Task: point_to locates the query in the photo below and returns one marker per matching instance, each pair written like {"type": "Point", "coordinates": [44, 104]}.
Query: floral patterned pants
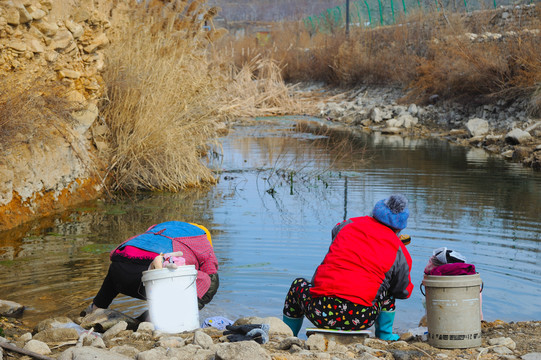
{"type": "Point", "coordinates": [332, 312]}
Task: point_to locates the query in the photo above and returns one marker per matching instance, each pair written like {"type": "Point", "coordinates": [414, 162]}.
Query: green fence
{"type": "Point", "coordinates": [369, 13]}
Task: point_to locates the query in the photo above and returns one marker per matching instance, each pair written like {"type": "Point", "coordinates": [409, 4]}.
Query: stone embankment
{"type": "Point", "coordinates": [64, 339]}
{"type": "Point", "coordinates": [502, 129]}
{"type": "Point", "coordinates": [53, 165]}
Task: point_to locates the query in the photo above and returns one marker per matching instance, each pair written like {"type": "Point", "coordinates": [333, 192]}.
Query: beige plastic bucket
{"type": "Point", "coordinates": [453, 311]}
{"type": "Point", "coordinates": [172, 298]}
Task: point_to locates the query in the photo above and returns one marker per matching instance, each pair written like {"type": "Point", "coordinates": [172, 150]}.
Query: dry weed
{"type": "Point", "coordinates": [29, 105]}
{"type": "Point", "coordinates": [162, 107]}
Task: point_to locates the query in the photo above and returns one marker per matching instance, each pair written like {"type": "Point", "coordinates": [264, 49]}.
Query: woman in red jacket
{"type": "Point", "coordinates": [366, 268]}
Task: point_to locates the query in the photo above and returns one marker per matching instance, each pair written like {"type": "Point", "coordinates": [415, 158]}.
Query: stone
{"type": "Point", "coordinates": [376, 115]}
{"type": "Point", "coordinates": [17, 46]}
{"type": "Point", "coordinates": [531, 356]}
{"type": "Point", "coordinates": [413, 109]}
{"type": "Point", "coordinates": [502, 350]}
{"type": "Point", "coordinates": [316, 342]}
{"type": "Point", "coordinates": [203, 340]}
{"type": "Point", "coordinates": [52, 323]}
{"type": "Point", "coordinates": [104, 319]}
{"type": "Point", "coordinates": [25, 337]}
{"type": "Point", "coordinates": [115, 330]}
{"type": "Point", "coordinates": [61, 40]}
{"type": "Point", "coordinates": [146, 327]}
{"type": "Point", "coordinates": [37, 14]}
{"type": "Point", "coordinates": [85, 118]}
{"type": "Point", "coordinates": [172, 342]}
{"type": "Point", "coordinates": [503, 341]}
{"type": "Point", "coordinates": [277, 326]}
{"type": "Point", "coordinates": [45, 27]}
{"type": "Point", "coordinates": [24, 16]}
{"type": "Point", "coordinates": [241, 350]}
{"type": "Point", "coordinates": [35, 46]}
{"type": "Point", "coordinates": [517, 136]}
{"type": "Point", "coordinates": [125, 350]}
{"type": "Point", "coordinates": [57, 335]}
{"type": "Point", "coordinates": [11, 14]}
{"type": "Point", "coordinates": [91, 353]}
{"type": "Point", "coordinates": [38, 347]}
{"type": "Point", "coordinates": [152, 354]}
{"type": "Point", "coordinates": [477, 127]}
{"type": "Point", "coordinates": [10, 308]}
{"type": "Point", "coordinates": [70, 74]}
{"type": "Point", "coordinates": [76, 30]}
{"type": "Point", "coordinates": [288, 342]}
{"type": "Point", "coordinates": [97, 43]}
{"type": "Point", "coordinates": [51, 56]}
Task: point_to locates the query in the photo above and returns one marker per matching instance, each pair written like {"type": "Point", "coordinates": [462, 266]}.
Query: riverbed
{"type": "Point", "coordinates": [279, 194]}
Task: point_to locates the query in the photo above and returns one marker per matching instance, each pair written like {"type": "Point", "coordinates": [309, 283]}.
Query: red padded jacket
{"type": "Point", "coordinates": [364, 259]}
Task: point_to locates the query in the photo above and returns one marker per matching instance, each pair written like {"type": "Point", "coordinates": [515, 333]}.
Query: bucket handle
{"type": "Point", "coordinates": [422, 292]}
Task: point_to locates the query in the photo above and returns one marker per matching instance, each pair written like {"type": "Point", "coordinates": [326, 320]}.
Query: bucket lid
{"type": "Point", "coordinates": [452, 280]}
{"type": "Point", "coordinates": [156, 274]}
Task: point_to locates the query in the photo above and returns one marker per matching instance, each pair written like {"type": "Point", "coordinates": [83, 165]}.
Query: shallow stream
{"type": "Point", "coordinates": [280, 192]}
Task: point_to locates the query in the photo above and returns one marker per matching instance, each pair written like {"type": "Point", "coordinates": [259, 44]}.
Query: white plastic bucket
{"type": "Point", "coordinates": [172, 298]}
{"type": "Point", "coordinates": [453, 311]}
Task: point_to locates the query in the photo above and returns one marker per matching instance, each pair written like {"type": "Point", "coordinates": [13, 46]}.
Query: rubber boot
{"type": "Point", "coordinates": [294, 324]}
{"type": "Point", "coordinates": [384, 326]}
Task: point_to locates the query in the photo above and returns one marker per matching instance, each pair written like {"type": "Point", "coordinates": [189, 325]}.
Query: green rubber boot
{"type": "Point", "coordinates": [294, 324]}
{"type": "Point", "coordinates": [384, 326]}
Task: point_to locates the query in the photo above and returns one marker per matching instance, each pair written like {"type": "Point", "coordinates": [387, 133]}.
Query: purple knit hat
{"type": "Point", "coordinates": [392, 211]}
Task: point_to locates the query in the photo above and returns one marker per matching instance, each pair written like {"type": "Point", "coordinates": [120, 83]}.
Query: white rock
{"type": "Point", "coordinates": [37, 347]}
{"type": "Point", "coordinates": [477, 127]}
{"type": "Point", "coordinates": [517, 136]}
{"type": "Point", "coordinates": [503, 341]}
{"type": "Point", "coordinates": [203, 340]}
{"type": "Point", "coordinates": [316, 342]}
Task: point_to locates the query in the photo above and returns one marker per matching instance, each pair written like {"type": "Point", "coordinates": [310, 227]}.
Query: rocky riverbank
{"type": "Point", "coordinates": [121, 337]}
{"type": "Point", "coordinates": [502, 129]}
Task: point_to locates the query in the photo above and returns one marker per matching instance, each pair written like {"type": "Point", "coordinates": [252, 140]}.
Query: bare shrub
{"type": "Point", "coordinates": [29, 105]}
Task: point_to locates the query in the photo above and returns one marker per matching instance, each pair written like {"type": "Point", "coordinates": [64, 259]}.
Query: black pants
{"type": "Point", "coordinates": [122, 278]}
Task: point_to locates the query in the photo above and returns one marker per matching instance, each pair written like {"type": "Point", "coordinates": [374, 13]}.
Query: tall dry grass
{"type": "Point", "coordinates": [426, 53]}
{"type": "Point", "coordinates": [169, 95]}
{"type": "Point", "coordinates": [161, 106]}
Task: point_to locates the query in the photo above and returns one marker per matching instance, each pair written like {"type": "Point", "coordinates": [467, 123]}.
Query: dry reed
{"type": "Point", "coordinates": [162, 106]}
{"type": "Point", "coordinates": [168, 95]}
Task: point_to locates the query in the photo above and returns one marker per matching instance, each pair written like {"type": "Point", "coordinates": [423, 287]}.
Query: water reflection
{"type": "Point", "coordinates": [280, 193]}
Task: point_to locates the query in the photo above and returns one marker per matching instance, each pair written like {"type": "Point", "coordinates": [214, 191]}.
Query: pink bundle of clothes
{"type": "Point", "coordinates": [446, 262]}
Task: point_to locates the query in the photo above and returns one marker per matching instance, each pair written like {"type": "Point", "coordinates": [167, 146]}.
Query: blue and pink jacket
{"type": "Point", "coordinates": [192, 239]}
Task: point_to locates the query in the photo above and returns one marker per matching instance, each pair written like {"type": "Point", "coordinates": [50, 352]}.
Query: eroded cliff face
{"type": "Point", "coordinates": [53, 165]}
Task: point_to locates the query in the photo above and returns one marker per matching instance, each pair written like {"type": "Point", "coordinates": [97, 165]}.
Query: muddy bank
{"type": "Point", "coordinates": [503, 129]}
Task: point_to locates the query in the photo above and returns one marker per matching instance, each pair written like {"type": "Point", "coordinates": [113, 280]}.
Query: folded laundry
{"type": "Point", "coordinates": [453, 269]}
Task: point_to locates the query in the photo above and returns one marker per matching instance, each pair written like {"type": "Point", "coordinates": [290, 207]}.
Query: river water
{"type": "Point", "coordinates": [279, 194]}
